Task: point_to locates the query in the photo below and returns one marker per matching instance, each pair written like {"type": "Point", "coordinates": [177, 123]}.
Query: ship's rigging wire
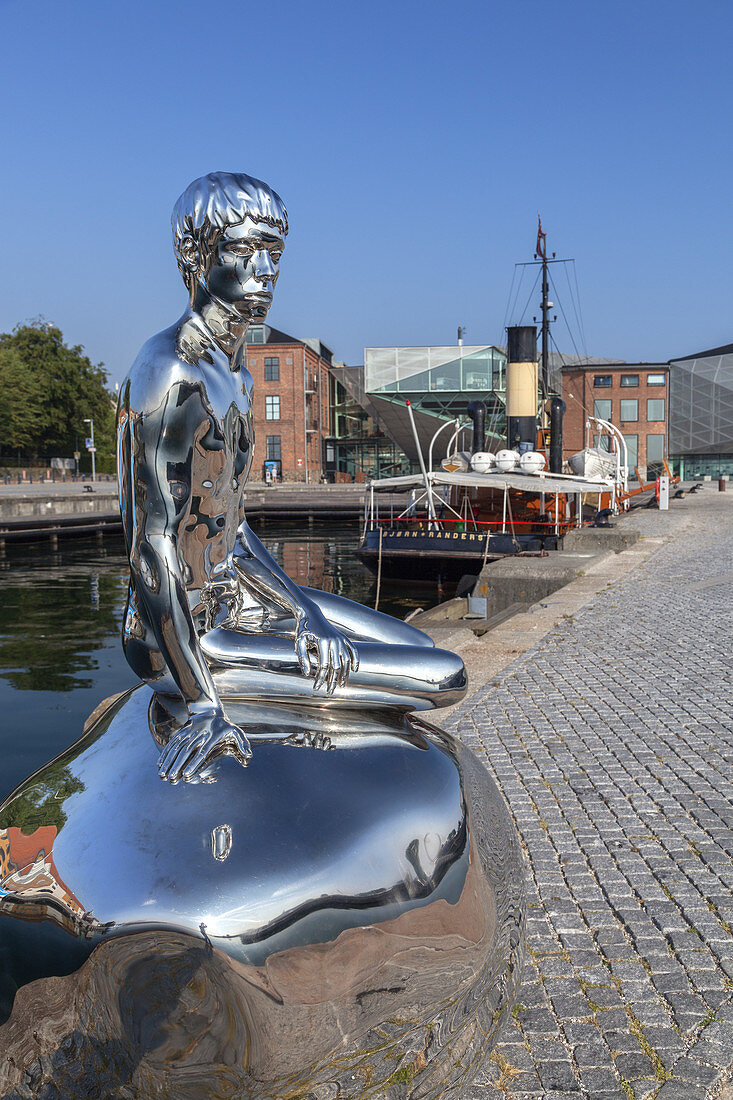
{"type": "Point", "coordinates": [511, 309]}
{"type": "Point", "coordinates": [579, 311]}
{"type": "Point", "coordinates": [565, 319]}
{"type": "Point", "coordinates": [509, 299]}
{"type": "Point", "coordinates": [529, 298]}
{"type": "Point", "coordinates": [564, 363]}
{"type": "Point", "coordinates": [513, 316]}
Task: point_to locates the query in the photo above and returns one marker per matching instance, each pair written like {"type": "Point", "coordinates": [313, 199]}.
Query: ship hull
{"type": "Point", "coordinates": [420, 555]}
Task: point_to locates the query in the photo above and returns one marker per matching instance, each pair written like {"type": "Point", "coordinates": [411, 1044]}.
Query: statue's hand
{"type": "Point", "coordinates": [324, 652]}
{"type": "Point", "coordinates": [205, 736]}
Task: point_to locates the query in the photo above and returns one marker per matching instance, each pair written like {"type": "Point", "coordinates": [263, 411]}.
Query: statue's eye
{"type": "Point", "coordinates": [275, 256]}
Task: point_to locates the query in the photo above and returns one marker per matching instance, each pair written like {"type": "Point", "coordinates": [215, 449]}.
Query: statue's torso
{"type": "Point", "coordinates": [186, 439]}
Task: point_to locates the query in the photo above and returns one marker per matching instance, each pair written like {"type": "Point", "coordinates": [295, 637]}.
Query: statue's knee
{"type": "Point", "coordinates": [448, 671]}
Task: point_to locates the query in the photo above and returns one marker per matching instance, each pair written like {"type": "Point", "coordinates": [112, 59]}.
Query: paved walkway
{"type": "Point", "coordinates": [612, 740]}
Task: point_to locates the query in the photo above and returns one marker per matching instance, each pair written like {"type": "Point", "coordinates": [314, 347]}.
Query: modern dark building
{"type": "Point", "coordinates": [701, 413]}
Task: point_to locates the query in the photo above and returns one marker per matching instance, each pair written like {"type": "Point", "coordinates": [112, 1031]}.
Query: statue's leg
{"type": "Point", "coordinates": [264, 666]}
{"type": "Point", "coordinates": [141, 649]}
{"type": "Point", "coordinates": [360, 622]}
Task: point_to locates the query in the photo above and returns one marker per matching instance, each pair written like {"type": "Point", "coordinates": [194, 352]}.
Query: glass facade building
{"type": "Point", "coordinates": [439, 382]}
{"type": "Point", "coordinates": [701, 413]}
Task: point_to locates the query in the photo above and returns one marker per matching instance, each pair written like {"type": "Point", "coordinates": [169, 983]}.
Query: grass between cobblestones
{"type": "Point", "coordinates": [612, 741]}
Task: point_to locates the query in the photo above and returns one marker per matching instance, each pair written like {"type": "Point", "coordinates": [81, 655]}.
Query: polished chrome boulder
{"type": "Point", "coordinates": [343, 918]}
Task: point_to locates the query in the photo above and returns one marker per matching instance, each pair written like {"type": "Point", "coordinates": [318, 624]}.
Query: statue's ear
{"type": "Point", "coordinates": [189, 253]}
{"type": "Point", "coordinates": [189, 262]}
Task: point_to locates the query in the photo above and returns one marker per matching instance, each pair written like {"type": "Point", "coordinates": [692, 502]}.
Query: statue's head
{"type": "Point", "coordinates": [228, 235]}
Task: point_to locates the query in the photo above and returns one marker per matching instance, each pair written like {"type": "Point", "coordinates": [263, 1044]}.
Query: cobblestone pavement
{"type": "Point", "coordinates": [612, 741]}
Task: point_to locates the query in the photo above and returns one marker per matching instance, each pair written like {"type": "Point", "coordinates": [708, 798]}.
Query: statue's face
{"type": "Point", "coordinates": [243, 269]}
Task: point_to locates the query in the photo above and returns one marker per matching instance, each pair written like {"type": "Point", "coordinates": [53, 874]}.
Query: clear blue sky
{"type": "Point", "coordinates": [413, 143]}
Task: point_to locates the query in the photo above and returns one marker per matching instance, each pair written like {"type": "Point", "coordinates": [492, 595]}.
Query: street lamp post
{"type": "Point", "coordinates": [92, 449]}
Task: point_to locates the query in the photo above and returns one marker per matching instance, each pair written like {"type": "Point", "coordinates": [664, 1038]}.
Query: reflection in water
{"type": "Point", "coordinates": [61, 622]}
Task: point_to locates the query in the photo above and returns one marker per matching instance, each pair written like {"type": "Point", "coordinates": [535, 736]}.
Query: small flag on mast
{"type": "Point", "coordinates": [540, 251]}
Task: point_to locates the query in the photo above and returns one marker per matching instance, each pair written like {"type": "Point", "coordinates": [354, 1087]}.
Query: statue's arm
{"type": "Point", "coordinates": [161, 476]}
{"type": "Point", "coordinates": [160, 473]}
{"type": "Point", "coordinates": [317, 642]}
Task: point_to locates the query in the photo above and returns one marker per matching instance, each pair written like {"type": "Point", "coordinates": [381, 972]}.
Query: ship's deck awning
{"type": "Point", "coordinates": [526, 483]}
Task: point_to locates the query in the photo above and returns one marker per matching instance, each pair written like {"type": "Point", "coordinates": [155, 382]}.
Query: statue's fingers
{"type": "Point", "coordinates": [343, 665]}
{"type": "Point", "coordinates": [177, 764]}
{"type": "Point", "coordinates": [168, 755]}
{"type": "Point", "coordinates": [188, 750]}
{"type": "Point", "coordinates": [354, 657]}
{"type": "Point", "coordinates": [242, 745]}
{"type": "Point", "coordinates": [322, 665]}
{"type": "Point", "coordinates": [320, 679]}
{"type": "Point", "coordinates": [196, 763]}
{"type": "Point", "coordinates": [333, 668]}
{"type": "Point", "coordinates": [301, 652]}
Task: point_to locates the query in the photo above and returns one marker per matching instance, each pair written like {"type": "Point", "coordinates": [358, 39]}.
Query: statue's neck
{"type": "Point", "coordinates": [208, 324]}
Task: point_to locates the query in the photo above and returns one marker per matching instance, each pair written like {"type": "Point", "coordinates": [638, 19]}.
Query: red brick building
{"type": "Point", "coordinates": [291, 403]}
{"type": "Point", "coordinates": [632, 396]}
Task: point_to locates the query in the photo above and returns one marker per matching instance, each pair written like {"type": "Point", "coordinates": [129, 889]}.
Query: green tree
{"type": "Point", "coordinates": [65, 387]}
{"type": "Point", "coordinates": [22, 412]}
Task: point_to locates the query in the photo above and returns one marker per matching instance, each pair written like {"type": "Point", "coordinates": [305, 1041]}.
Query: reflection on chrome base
{"type": "Point", "coordinates": [342, 919]}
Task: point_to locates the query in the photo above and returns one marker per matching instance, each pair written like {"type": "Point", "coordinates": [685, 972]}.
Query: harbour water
{"type": "Point", "coordinates": [60, 652]}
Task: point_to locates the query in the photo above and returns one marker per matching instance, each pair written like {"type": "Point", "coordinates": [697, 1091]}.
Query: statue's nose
{"type": "Point", "coordinates": [264, 267]}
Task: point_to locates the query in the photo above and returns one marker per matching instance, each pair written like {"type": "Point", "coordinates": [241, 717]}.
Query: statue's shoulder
{"type": "Point", "coordinates": [158, 367]}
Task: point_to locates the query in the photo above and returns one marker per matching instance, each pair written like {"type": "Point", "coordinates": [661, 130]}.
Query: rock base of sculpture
{"type": "Point", "coordinates": [343, 918]}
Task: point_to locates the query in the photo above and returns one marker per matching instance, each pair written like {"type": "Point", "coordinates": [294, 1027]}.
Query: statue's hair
{"type": "Point", "coordinates": [213, 202]}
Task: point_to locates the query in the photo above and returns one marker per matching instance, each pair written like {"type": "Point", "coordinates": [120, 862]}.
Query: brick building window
{"type": "Point", "coordinates": [603, 380]}
{"type": "Point", "coordinates": [603, 409]}
{"type": "Point", "coordinates": [272, 369]}
{"type": "Point", "coordinates": [629, 379]}
{"type": "Point", "coordinates": [272, 408]}
{"type": "Point", "coordinates": [655, 408]}
{"type": "Point", "coordinates": [655, 380]}
{"type": "Point", "coordinates": [629, 410]}
{"type": "Point", "coordinates": [654, 455]}
{"type": "Point", "coordinates": [273, 448]}
{"type": "Point", "coordinates": [632, 442]}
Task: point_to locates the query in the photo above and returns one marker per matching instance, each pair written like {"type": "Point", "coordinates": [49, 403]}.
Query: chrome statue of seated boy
{"type": "Point", "coordinates": [210, 614]}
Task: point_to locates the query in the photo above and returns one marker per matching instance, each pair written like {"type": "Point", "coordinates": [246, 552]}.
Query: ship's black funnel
{"type": "Point", "coordinates": [521, 344]}
{"type": "Point", "coordinates": [477, 412]}
{"type": "Point", "coordinates": [557, 411]}
{"type": "Point", "coordinates": [521, 388]}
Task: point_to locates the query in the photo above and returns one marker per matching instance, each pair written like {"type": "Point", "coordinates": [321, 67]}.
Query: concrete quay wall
{"type": "Point", "coordinates": [48, 501]}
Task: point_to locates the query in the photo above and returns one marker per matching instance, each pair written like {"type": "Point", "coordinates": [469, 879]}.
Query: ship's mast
{"type": "Point", "coordinates": [546, 306]}
{"type": "Point", "coordinates": [547, 318]}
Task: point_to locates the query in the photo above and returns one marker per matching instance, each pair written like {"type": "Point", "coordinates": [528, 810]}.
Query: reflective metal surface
{"type": "Point", "coordinates": [211, 617]}
{"type": "Point", "coordinates": [342, 920]}
{"type": "Point", "coordinates": [339, 920]}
